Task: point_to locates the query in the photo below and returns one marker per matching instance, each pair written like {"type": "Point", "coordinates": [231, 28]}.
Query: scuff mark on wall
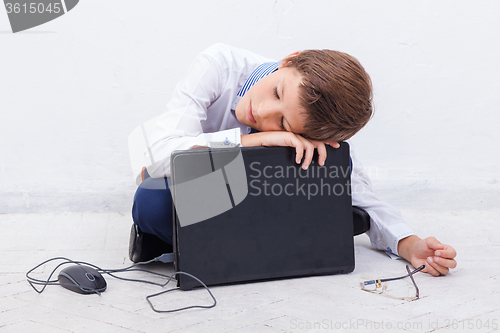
{"type": "Point", "coordinates": [280, 15]}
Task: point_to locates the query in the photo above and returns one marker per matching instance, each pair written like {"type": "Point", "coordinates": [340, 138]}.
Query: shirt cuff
{"type": "Point", "coordinates": [393, 255]}
{"type": "Point", "coordinates": [397, 232]}
{"type": "Point", "coordinates": [224, 139]}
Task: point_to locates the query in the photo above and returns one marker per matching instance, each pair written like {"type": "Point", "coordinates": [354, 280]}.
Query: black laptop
{"type": "Point", "coordinates": [250, 214]}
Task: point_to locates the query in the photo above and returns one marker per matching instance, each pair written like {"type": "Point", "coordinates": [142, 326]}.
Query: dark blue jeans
{"type": "Point", "coordinates": [152, 209]}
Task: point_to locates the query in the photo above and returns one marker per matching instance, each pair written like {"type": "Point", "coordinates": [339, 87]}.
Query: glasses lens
{"type": "Point", "coordinates": [401, 289]}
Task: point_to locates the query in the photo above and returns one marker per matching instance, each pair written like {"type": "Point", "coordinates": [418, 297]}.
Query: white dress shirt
{"type": "Point", "coordinates": [199, 113]}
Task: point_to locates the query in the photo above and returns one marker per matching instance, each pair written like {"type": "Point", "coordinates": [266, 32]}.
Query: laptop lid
{"type": "Point", "coordinates": [248, 214]}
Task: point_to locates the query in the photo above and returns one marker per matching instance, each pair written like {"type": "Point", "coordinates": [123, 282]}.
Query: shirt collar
{"type": "Point", "coordinates": [262, 71]}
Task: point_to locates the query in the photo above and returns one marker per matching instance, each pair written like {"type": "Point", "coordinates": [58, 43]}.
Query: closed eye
{"type": "Point", "coordinates": [282, 126]}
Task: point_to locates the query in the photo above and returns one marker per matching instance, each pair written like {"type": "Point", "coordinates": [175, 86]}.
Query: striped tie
{"type": "Point", "coordinates": [260, 72]}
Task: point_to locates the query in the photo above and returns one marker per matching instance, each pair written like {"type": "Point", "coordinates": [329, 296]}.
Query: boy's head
{"type": "Point", "coordinates": [321, 94]}
{"type": "Point", "coordinates": [336, 93]}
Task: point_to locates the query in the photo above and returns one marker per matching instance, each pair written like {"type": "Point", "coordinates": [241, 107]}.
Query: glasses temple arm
{"type": "Point", "coordinates": [413, 280]}
{"type": "Point", "coordinates": [396, 278]}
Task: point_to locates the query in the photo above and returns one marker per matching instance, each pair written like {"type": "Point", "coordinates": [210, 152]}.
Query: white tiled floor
{"type": "Point", "coordinates": [468, 299]}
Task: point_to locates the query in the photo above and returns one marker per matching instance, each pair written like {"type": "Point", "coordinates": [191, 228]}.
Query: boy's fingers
{"type": "Point", "coordinates": [441, 269]}
{"type": "Point", "coordinates": [300, 154]}
{"type": "Point", "coordinates": [447, 252]}
{"type": "Point", "coordinates": [450, 263]}
{"type": "Point", "coordinates": [309, 148]}
{"type": "Point", "coordinates": [309, 155]}
{"type": "Point", "coordinates": [322, 153]}
{"type": "Point", "coordinates": [299, 148]}
{"type": "Point", "coordinates": [431, 270]}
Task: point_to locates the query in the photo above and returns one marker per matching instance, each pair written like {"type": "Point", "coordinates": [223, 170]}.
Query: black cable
{"type": "Point", "coordinates": [87, 290]}
{"type": "Point", "coordinates": [169, 290]}
{"type": "Point", "coordinates": [99, 269]}
{"type": "Point", "coordinates": [163, 258]}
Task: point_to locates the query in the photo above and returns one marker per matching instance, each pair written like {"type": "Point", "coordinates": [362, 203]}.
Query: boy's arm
{"type": "Point", "coordinates": [180, 128]}
{"type": "Point", "coordinates": [304, 148]}
{"type": "Point", "coordinates": [389, 232]}
{"type": "Point", "coordinates": [437, 257]}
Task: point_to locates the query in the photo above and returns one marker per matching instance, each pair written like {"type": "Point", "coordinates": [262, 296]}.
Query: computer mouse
{"type": "Point", "coordinates": [82, 279]}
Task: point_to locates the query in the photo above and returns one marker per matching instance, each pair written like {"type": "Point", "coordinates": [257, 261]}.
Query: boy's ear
{"type": "Point", "coordinates": [285, 60]}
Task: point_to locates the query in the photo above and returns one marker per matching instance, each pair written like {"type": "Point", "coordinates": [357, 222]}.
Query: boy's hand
{"type": "Point", "coordinates": [437, 257]}
{"type": "Point", "coordinates": [289, 139]}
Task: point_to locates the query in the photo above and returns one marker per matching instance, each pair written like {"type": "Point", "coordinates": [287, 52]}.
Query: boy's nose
{"type": "Point", "coordinates": [265, 112]}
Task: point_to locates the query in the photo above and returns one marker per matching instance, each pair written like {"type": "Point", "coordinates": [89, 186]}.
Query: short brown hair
{"type": "Point", "coordinates": [336, 93]}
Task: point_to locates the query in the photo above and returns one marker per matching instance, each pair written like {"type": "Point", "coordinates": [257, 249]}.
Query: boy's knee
{"type": "Point", "coordinates": [153, 198]}
{"type": "Point", "coordinates": [152, 209]}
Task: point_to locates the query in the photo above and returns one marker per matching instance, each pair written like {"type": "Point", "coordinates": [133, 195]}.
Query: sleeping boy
{"type": "Point", "coordinates": [307, 100]}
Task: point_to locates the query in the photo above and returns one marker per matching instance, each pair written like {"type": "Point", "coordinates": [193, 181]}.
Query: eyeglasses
{"type": "Point", "coordinates": [397, 290]}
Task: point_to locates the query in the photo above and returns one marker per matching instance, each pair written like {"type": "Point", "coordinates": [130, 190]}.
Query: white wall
{"type": "Point", "coordinates": [72, 90]}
